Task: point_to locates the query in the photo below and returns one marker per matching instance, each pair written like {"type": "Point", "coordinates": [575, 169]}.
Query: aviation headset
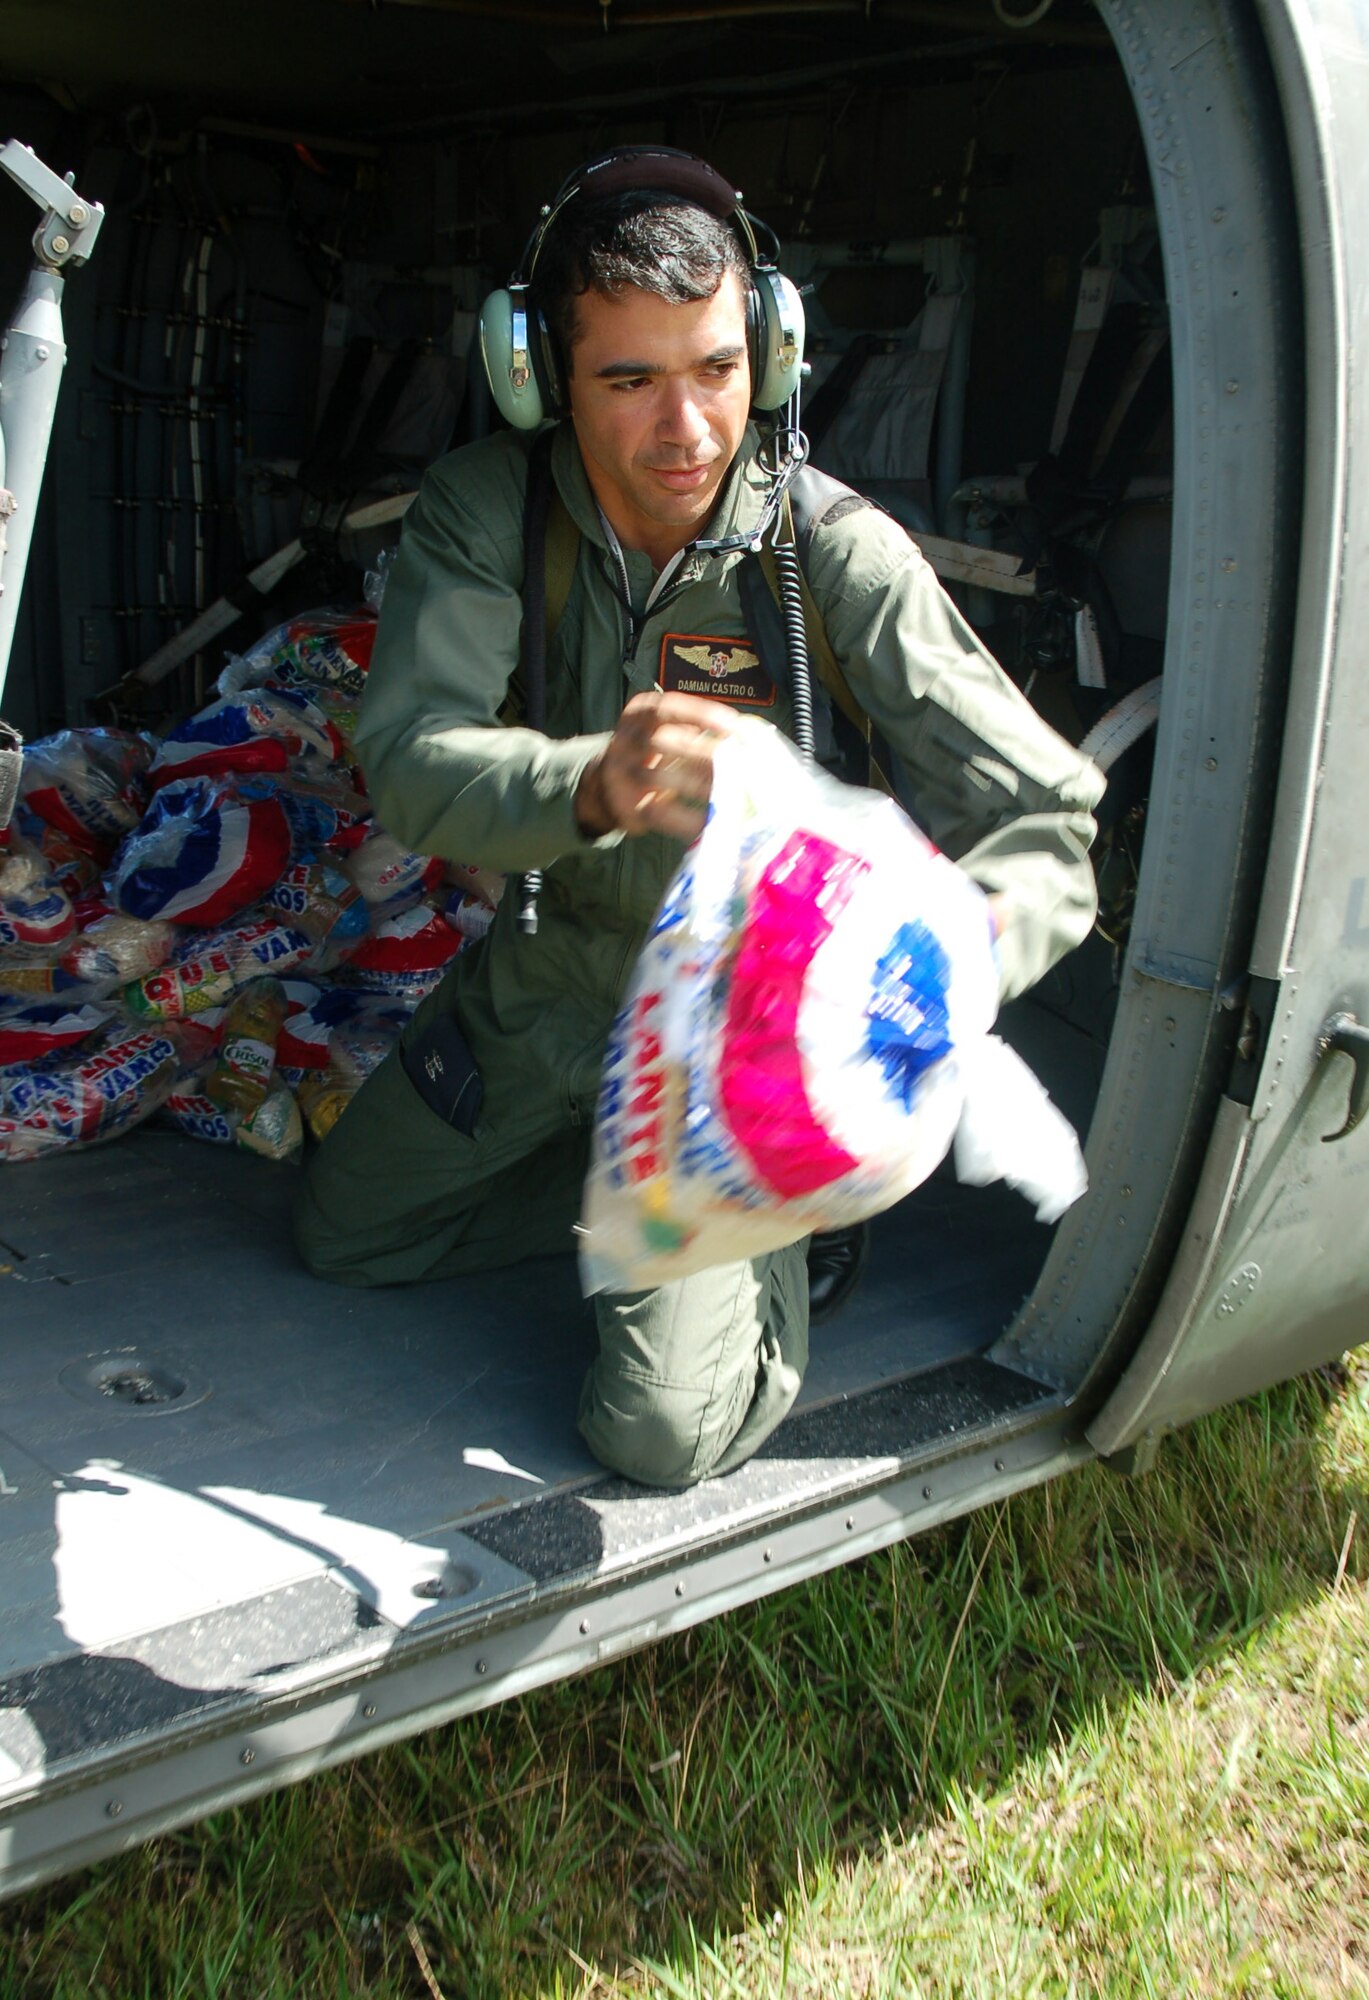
{"type": "Point", "coordinates": [523, 359]}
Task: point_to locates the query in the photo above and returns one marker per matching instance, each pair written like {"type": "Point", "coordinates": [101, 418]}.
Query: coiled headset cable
{"type": "Point", "coordinates": [789, 453]}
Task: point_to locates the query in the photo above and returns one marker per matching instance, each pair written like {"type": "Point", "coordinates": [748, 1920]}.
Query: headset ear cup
{"type": "Point", "coordinates": [516, 387]}
{"type": "Point", "coordinates": [776, 371]}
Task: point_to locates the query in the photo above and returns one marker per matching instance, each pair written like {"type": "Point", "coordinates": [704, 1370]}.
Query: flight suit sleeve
{"type": "Point", "coordinates": [992, 784]}
{"type": "Point", "coordinates": [445, 778]}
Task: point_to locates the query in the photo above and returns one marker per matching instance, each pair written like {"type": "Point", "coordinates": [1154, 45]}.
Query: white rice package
{"type": "Point", "coordinates": [805, 1035]}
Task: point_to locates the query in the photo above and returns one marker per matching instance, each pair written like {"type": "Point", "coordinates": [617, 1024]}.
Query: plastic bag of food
{"type": "Point", "coordinates": [405, 954]}
{"type": "Point", "coordinates": [319, 900]}
{"type": "Point", "coordinates": [189, 1111]}
{"type": "Point", "coordinates": [271, 1126]}
{"type": "Point", "coordinates": [202, 853]}
{"type": "Point", "coordinates": [35, 970]}
{"type": "Point", "coordinates": [208, 967]}
{"type": "Point", "coordinates": [259, 1111]}
{"type": "Point", "coordinates": [485, 884]}
{"type": "Point", "coordinates": [261, 729]}
{"type": "Point", "coordinates": [342, 714]}
{"type": "Point", "coordinates": [471, 898]}
{"type": "Point", "coordinates": [33, 909]}
{"type": "Point", "coordinates": [804, 1029]}
{"type": "Point", "coordinates": [94, 1093]}
{"type": "Point", "coordinates": [327, 648]}
{"type": "Point", "coordinates": [471, 916]}
{"type": "Point", "coordinates": [386, 872]}
{"type": "Point", "coordinates": [32, 1032]}
{"type": "Point", "coordinates": [114, 949]}
{"type": "Point", "coordinates": [89, 784]}
{"type": "Point", "coordinates": [322, 804]}
{"type": "Point", "coordinates": [306, 1038]}
{"type": "Point", "coordinates": [357, 1047]}
{"type": "Point", "coordinates": [73, 867]}
{"type": "Point", "coordinates": [245, 1065]}
{"type": "Point", "coordinates": [275, 1129]}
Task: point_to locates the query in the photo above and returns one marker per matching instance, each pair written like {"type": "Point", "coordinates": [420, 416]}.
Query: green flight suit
{"type": "Point", "coordinates": [692, 1376]}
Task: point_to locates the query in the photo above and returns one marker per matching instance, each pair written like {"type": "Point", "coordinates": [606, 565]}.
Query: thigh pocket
{"type": "Point", "coordinates": [441, 1068]}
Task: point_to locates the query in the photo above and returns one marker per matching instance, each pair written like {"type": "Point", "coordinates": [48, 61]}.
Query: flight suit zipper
{"type": "Point", "coordinates": [658, 596]}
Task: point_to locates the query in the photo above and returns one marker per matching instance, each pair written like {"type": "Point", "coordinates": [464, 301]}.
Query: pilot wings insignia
{"type": "Point", "coordinates": [718, 661]}
{"type": "Point", "coordinates": [722, 669]}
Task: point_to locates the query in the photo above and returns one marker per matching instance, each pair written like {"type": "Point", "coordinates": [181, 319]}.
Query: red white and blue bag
{"type": "Point", "coordinates": [305, 1040]}
{"type": "Point", "coordinates": [93, 1093]}
{"type": "Point", "coordinates": [322, 808]}
{"type": "Point", "coordinates": [805, 1034]}
{"type": "Point", "coordinates": [261, 729]}
{"type": "Point", "coordinates": [202, 853]}
{"type": "Point", "coordinates": [405, 954]}
{"type": "Point", "coordinates": [88, 784]}
{"type": "Point", "coordinates": [33, 909]}
{"type": "Point", "coordinates": [31, 1033]}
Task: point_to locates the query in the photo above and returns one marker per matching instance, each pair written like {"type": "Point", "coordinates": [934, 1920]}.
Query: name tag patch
{"type": "Point", "coordinates": [719, 669]}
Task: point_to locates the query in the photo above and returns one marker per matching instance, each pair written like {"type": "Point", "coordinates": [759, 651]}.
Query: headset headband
{"type": "Point", "coordinates": [646, 169]}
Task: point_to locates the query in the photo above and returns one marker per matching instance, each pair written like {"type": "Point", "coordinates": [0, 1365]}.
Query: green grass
{"type": "Point", "coordinates": [1110, 1738]}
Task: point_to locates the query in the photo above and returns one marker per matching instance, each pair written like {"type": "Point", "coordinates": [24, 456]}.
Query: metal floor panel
{"type": "Point", "coordinates": [315, 1434]}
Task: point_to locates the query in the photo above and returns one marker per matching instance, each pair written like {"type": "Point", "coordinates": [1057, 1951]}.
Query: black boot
{"type": "Point", "coordinates": [836, 1260]}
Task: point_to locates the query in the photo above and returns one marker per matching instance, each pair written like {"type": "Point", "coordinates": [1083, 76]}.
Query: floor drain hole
{"type": "Point", "coordinates": [132, 1381]}
{"type": "Point", "coordinates": [134, 1386]}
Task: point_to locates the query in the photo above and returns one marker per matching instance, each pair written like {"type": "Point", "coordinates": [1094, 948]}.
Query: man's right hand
{"type": "Point", "coordinates": [655, 774]}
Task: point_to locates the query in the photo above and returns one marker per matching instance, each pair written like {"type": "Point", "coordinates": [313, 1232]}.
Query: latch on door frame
{"type": "Point", "coordinates": [1343, 1035]}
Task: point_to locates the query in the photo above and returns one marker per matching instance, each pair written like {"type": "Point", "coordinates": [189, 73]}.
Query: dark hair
{"type": "Point", "coordinates": [646, 238]}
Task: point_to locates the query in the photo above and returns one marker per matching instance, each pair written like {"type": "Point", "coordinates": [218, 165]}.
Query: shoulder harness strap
{"type": "Point", "coordinates": [551, 547]}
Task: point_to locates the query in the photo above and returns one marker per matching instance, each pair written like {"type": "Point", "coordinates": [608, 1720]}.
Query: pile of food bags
{"type": "Point", "coordinates": [213, 928]}
{"type": "Point", "coordinates": [805, 1036]}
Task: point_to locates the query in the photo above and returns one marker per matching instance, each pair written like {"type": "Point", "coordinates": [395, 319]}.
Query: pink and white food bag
{"type": "Point", "coordinates": [805, 1035]}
